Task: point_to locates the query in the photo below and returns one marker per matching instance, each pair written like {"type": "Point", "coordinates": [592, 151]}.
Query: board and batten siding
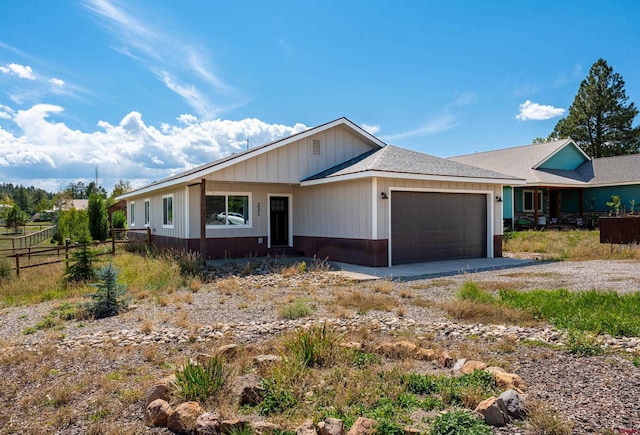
{"type": "Point", "coordinates": [388, 185]}
{"type": "Point", "coordinates": [292, 163]}
{"type": "Point", "coordinates": [340, 210]}
{"type": "Point", "coordinates": [156, 218]}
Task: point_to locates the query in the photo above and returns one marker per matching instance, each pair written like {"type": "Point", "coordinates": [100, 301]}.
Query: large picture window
{"type": "Point", "coordinates": [527, 200]}
{"type": "Point", "coordinates": [225, 210]}
{"type": "Point", "coordinates": [167, 211]}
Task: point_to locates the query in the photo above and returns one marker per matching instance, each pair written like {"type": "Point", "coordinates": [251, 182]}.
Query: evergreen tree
{"type": "Point", "coordinates": [98, 220]}
{"type": "Point", "coordinates": [82, 268]}
{"type": "Point", "coordinates": [108, 300]}
{"type": "Point", "coordinates": [600, 121]}
{"type": "Point", "coordinates": [15, 218]}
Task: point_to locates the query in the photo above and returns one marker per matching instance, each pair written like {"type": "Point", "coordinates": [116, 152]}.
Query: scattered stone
{"type": "Point", "coordinates": [445, 360]}
{"type": "Point", "coordinates": [493, 411]}
{"type": "Point", "coordinates": [331, 426]}
{"type": "Point", "coordinates": [183, 419]}
{"type": "Point", "coordinates": [159, 390]}
{"type": "Point", "coordinates": [363, 426]}
{"type": "Point", "coordinates": [397, 348]}
{"type": "Point", "coordinates": [203, 358]}
{"type": "Point", "coordinates": [514, 403]}
{"type": "Point", "coordinates": [207, 424]}
{"type": "Point", "coordinates": [232, 425]}
{"type": "Point", "coordinates": [157, 413]}
{"type": "Point", "coordinates": [352, 345]}
{"type": "Point", "coordinates": [263, 428]}
{"type": "Point", "coordinates": [459, 364]}
{"type": "Point", "coordinates": [262, 361]}
{"type": "Point", "coordinates": [228, 350]}
{"type": "Point", "coordinates": [425, 354]}
{"type": "Point", "coordinates": [247, 390]}
{"type": "Point", "coordinates": [306, 428]}
{"type": "Point", "coordinates": [507, 381]}
{"type": "Point", "coordinates": [471, 366]}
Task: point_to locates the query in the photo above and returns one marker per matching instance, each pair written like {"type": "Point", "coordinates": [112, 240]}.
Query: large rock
{"type": "Point", "coordinates": [183, 419]}
{"type": "Point", "coordinates": [401, 348]}
{"type": "Point", "coordinates": [306, 428]}
{"type": "Point", "coordinates": [493, 411]}
{"type": "Point", "coordinates": [246, 389]}
{"type": "Point", "coordinates": [331, 426]}
{"type": "Point", "coordinates": [445, 360]}
{"type": "Point", "coordinates": [515, 404]}
{"type": "Point", "coordinates": [471, 366]}
{"type": "Point", "coordinates": [363, 426]}
{"type": "Point", "coordinates": [507, 381]}
{"type": "Point", "coordinates": [157, 413]}
{"type": "Point", "coordinates": [159, 390]}
{"type": "Point", "coordinates": [207, 424]}
{"type": "Point", "coordinates": [263, 428]}
{"type": "Point", "coordinates": [228, 350]}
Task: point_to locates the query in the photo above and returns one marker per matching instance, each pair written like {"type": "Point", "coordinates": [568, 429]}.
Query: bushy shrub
{"type": "Point", "coordinates": [200, 382]}
{"type": "Point", "coordinates": [118, 219]}
{"type": "Point", "coordinates": [458, 422]}
{"type": "Point", "coordinates": [275, 398]}
{"type": "Point", "coordinates": [295, 310]}
{"type": "Point", "coordinates": [109, 298]}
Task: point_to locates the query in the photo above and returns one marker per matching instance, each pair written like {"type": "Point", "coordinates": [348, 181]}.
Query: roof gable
{"type": "Point", "coordinates": [566, 158]}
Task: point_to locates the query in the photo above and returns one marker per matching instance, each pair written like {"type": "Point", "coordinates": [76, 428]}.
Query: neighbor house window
{"type": "Point", "coordinates": [132, 214]}
{"type": "Point", "coordinates": [225, 210]}
{"type": "Point", "coordinates": [167, 211]}
{"type": "Point", "coordinates": [527, 199]}
{"type": "Point", "coordinates": [147, 212]}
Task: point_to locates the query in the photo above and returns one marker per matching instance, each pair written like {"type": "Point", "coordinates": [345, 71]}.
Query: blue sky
{"type": "Point", "coordinates": [145, 89]}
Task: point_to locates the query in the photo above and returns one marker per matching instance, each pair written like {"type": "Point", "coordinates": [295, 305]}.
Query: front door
{"type": "Point", "coordinates": [279, 218]}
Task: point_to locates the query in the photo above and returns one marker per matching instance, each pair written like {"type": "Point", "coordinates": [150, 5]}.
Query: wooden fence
{"type": "Point", "coordinates": [41, 256]}
{"type": "Point", "coordinates": [620, 230]}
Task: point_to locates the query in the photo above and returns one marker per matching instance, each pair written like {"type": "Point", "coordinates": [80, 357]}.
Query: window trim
{"type": "Point", "coordinates": [132, 213]}
{"type": "Point", "coordinates": [165, 217]}
{"type": "Point", "coordinates": [147, 212]}
{"type": "Point", "coordinates": [540, 201]}
{"type": "Point", "coordinates": [226, 201]}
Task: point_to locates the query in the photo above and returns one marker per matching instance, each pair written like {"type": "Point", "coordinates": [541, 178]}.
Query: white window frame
{"type": "Point", "coordinates": [147, 212]}
{"type": "Point", "coordinates": [132, 214]}
{"type": "Point", "coordinates": [540, 200]}
{"type": "Point", "coordinates": [165, 214]}
{"type": "Point", "coordinates": [226, 203]}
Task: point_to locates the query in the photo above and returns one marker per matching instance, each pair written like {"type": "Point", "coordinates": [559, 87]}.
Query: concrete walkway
{"type": "Point", "coordinates": [404, 272]}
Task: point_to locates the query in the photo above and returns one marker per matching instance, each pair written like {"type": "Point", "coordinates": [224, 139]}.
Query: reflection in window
{"type": "Point", "coordinates": [225, 210]}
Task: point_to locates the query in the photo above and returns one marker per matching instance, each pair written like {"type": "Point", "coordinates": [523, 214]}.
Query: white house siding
{"type": "Point", "coordinates": [259, 200]}
{"type": "Point", "coordinates": [387, 185]}
{"type": "Point", "coordinates": [341, 210]}
{"type": "Point", "coordinates": [294, 162]}
{"type": "Point", "coordinates": [179, 219]}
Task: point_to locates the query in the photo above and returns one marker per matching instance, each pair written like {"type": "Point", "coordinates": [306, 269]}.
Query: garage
{"type": "Point", "coordinates": [428, 226]}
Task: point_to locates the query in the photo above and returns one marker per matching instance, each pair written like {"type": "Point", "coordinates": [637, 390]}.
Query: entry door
{"type": "Point", "coordinates": [279, 218]}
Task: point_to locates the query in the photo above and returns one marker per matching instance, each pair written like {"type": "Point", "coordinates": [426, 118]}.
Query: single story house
{"type": "Point", "coordinates": [563, 185]}
{"type": "Point", "coordinates": [331, 191]}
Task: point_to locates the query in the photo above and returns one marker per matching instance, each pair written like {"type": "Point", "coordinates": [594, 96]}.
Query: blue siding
{"type": "Point", "coordinates": [518, 198]}
{"type": "Point", "coordinates": [570, 201]}
{"type": "Point", "coordinates": [507, 203]}
{"type": "Point", "coordinates": [568, 158]}
{"type": "Point", "coordinates": [602, 195]}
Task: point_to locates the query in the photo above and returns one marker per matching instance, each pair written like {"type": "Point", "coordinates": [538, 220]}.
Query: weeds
{"type": "Point", "coordinates": [297, 309]}
{"type": "Point", "coordinates": [313, 346]}
{"type": "Point", "coordinates": [275, 398]}
{"type": "Point", "coordinates": [200, 382]}
{"type": "Point", "coordinates": [583, 344]}
{"type": "Point", "coordinates": [541, 420]}
{"type": "Point", "coordinates": [458, 422]}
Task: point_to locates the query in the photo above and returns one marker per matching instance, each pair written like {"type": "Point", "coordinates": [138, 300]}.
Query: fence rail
{"type": "Point", "coordinates": [23, 260]}
{"type": "Point", "coordinates": [31, 239]}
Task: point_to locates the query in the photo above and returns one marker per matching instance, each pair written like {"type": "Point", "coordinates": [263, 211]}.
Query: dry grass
{"type": "Point", "coordinates": [230, 286]}
{"type": "Point", "coordinates": [383, 286]}
{"type": "Point", "coordinates": [542, 420]}
{"type": "Point", "coordinates": [361, 302]}
{"type": "Point", "coordinates": [478, 312]}
{"type": "Point", "coordinates": [195, 284]}
{"type": "Point", "coordinates": [433, 283]}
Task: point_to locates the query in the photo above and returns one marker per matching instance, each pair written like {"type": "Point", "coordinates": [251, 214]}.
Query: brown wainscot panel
{"type": "Point", "coordinates": [232, 247]}
{"type": "Point", "coordinates": [356, 251]}
{"type": "Point", "coordinates": [497, 245]}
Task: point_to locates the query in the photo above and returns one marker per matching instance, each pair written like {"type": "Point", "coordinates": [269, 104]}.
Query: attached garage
{"type": "Point", "coordinates": [428, 226]}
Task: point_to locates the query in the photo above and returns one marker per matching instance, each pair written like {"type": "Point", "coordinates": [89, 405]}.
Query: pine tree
{"type": "Point", "coordinates": [108, 300]}
{"type": "Point", "coordinates": [98, 220]}
{"type": "Point", "coordinates": [600, 121]}
{"type": "Point", "coordinates": [82, 268]}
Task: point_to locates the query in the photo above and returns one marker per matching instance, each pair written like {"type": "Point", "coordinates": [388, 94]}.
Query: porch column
{"type": "Point", "coordinates": [203, 218]}
{"type": "Point", "coordinates": [536, 205]}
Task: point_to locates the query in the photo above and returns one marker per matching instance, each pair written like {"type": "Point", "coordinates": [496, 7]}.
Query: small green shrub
{"type": "Point", "coordinates": [313, 346]}
{"type": "Point", "coordinates": [276, 398]}
{"type": "Point", "coordinates": [458, 422]}
{"type": "Point", "coordinates": [199, 382]}
{"type": "Point", "coordinates": [471, 292]}
{"type": "Point", "coordinates": [583, 344]}
{"type": "Point", "coordinates": [108, 300]}
{"type": "Point", "coordinates": [365, 359]}
{"type": "Point", "coordinates": [6, 271]}
{"type": "Point", "coordinates": [297, 309]}
{"type": "Point", "coordinates": [118, 219]}
{"type": "Point", "coordinates": [82, 268]}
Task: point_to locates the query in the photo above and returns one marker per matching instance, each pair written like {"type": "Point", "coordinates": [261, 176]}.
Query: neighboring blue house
{"type": "Point", "coordinates": [563, 184]}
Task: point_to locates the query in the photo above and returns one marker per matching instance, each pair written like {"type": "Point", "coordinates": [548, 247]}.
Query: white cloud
{"type": "Point", "coordinates": [537, 112]}
{"type": "Point", "coordinates": [373, 129]}
{"type": "Point", "coordinates": [444, 122]}
{"type": "Point", "coordinates": [131, 149]}
{"type": "Point", "coordinates": [56, 83]}
{"type": "Point", "coordinates": [22, 71]}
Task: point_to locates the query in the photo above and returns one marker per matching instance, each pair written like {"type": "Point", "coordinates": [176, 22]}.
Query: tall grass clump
{"type": "Point", "coordinates": [313, 346]}
{"type": "Point", "coordinates": [6, 272]}
{"type": "Point", "coordinates": [471, 292]}
{"type": "Point", "coordinates": [147, 272]}
{"type": "Point", "coordinates": [296, 309]}
{"type": "Point", "coordinates": [200, 382]}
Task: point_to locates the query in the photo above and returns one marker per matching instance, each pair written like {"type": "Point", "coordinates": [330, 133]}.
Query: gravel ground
{"type": "Point", "coordinates": [595, 393]}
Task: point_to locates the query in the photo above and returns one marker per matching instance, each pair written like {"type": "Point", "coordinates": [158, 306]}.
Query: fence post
{"type": "Point", "coordinates": [17, 264]}
{"type": "Point", "coordinates": [29, 251]}
{"type": "Point", "coordinates": [66, 254]}
{"type": "Point", "coordinates": [13, 245]}
{"type": "Point", "coordinates": [149, 237]}
{"type": "Point", "coordinates": [113, 241]}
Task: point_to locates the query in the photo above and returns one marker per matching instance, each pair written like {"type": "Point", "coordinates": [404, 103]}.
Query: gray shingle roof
{"type": "Point", "coordinates": [613, 170]}
{"type": "Point", "coordinates": [403, 161]}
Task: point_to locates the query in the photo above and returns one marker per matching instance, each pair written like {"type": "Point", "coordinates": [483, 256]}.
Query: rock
{"type": "Point", "coordinates": [397, 348]}
{"type": "Point", "coordinates": [459, 364]}
{"type": "Point", "coordinates": [362, 426]}
{"type": "Point", "coordinates": [228, 350]}
{"type": "Point", "coordinates": [246, 389]}
{"type": "Point", "coordinates": [232, 425]}
{"type": "Point", "coordinates": [514, 403]}
{"type": "Point", "coordinates": [445, 360]}
{"type": "Point", "coordinates": [307, 428]}
{"type": "Point", "coordinates": [159, 390]}
{"type": "Point", "coordinates": [352, 345]}
{"type": "Point", "coordinates": [207, 424]}
{"type": "Point", "coordinates": [262, 361]}
{"type": "Point", "coordinates": [263, 428]}
{"type": "Point", "coordinates": [203, 358]}
{"type": "Point", "coordinates": [183, 419]}
{"type": "Point", "coordinates": [425, 354]}
{"type": "Point", "coordinates": [493, 411]}
{"type": "Point", "coordinates": [157, 413]}
{"type": "Point", "coordinates": [471, 366]}
{"type": "Point", "coordinates": [510, 381]}
{"type": "Point", "coordinates": [331, 426]}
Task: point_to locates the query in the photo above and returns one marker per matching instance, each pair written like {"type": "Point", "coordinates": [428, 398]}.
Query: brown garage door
{"type": "Point", "coordinates": [436, 226]}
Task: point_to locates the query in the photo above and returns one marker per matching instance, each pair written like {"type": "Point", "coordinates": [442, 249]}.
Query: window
{"type": "Point", "coordinates": [147, 212]}
{"type": "Point", "coordinates": [527, 199]}
{"type": "Point", "coordinates": [132, 214]}
{"type": "Point", "coordinates": [167, 211]}
{"type": "Point", "coordinates": [224, 210]}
